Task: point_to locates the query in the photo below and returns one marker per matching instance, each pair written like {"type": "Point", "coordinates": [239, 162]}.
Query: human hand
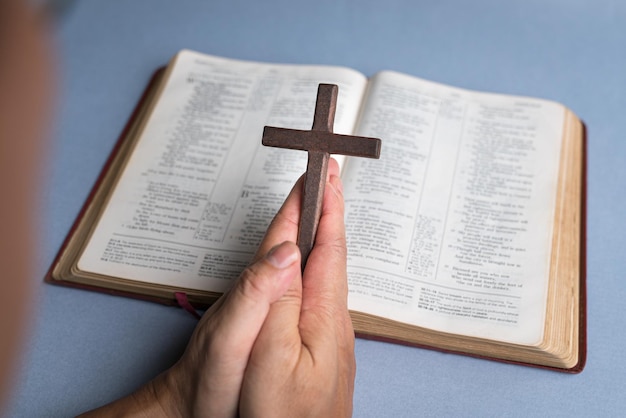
{"type": "Point", "coordinates": [275, 344]}
{"type": "Point", "coordinates": [278, 344]}
{"type": "Point", "coordinates": [302, 363]}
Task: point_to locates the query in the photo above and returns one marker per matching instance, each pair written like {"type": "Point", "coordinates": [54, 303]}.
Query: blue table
{"type": "Point", "coordinates": [86, 349]}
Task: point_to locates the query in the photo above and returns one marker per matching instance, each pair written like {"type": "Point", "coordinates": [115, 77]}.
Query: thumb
{"type": "Point", "coordinates": [266, 280]}
{"type": "Point", "coordinates": [247, 304]}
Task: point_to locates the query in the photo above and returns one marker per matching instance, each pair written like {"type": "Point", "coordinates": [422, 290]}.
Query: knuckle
{"type": "Point", "coordinates": [251, 283]}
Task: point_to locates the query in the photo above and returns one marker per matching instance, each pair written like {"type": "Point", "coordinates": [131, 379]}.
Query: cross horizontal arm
{"type": "Point", "coordinates": [329, 142]}
{"type": "Point", "coordinates": [320, 142]}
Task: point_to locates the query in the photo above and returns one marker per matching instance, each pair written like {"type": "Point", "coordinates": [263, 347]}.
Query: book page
{"type": "Point", "coordinates": [451, 228]}
{"type": "Point", "coordinates": [199, 190]}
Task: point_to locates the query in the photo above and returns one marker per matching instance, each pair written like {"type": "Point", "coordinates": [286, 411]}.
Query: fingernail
{"type": "Point", "coordinates": [282, 255]}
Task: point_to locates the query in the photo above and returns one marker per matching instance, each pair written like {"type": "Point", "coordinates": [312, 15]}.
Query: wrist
{"type": "Point", "coordinates": [162, 396]}
{"type": "Point", "coordinates": [157, 398]}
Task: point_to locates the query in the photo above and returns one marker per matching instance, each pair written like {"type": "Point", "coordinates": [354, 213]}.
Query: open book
{"type": "Point", "coordinates": [466, 236]}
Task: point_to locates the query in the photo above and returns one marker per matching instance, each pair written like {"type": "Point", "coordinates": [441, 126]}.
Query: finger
{"type": "Point", "coordinates": [280, 333]}
{"type": "Point", "coordinates": [284, 226]}
{"type": "Point", "coordinates": [325, 319]}
{"type": "Point", "coordinates": [325, 274]}
{"type": "Point", "coordinates": [247, 304]}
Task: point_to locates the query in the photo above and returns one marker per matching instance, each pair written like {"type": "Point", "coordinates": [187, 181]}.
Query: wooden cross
{"type": "Point", "coordinates": [320, 142]}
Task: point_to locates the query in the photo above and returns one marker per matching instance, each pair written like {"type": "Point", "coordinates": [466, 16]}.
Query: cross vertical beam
{"type": "Point", "coordinates": [320, 142]}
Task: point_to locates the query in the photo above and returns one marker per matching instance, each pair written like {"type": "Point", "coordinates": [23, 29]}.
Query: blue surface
{"type": "Point", "coordinates": [87, 349]}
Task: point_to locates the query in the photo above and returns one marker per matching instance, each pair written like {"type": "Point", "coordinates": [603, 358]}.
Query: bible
{"type": "Point", "coordinates": [466, 236]}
